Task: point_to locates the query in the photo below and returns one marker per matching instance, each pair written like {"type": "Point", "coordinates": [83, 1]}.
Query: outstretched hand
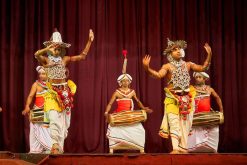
{"type": "Point", "coordinates": [25, 111]}
{"type": "Point", "coordinates": [147, 109]}
{"type": "Point", "coordinates": [91, 35]}
{"type": "Point", "coordinates": [207, 48]}
{"type": "Point", "coordinates": [146, 61]}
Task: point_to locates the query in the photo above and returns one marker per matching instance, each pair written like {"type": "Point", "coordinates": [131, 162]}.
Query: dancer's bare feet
{"type": "Point", "coordinates": [183, 151]}
{"type": "Point", "coordinates": [179, 151]}
{"type": "Point", "coordinates": [56, 149]}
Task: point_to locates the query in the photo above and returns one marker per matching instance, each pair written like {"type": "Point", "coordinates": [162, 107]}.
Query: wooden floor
{"type": "Point", "coordinates": [7, 158]}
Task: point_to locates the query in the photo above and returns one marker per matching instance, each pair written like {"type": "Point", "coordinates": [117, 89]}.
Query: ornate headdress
{"type": "Point", "coordinates": [56, 38]}
{"type": "Point", "coordinates": [124, 75]}
{"type": "Point", "coordinates": [173, 44]}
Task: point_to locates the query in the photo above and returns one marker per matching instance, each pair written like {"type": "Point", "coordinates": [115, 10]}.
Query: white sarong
{"type": "Point", "coordinates": [179, 130]}
{"type": "Point", "coordinates": [204, 139]}
{"type": "Point", "coordinates": [39, 138]}
{"type": "Point", "coordinates": [59, 124]}
{"type": "Point", "coordinates": [132, 136]}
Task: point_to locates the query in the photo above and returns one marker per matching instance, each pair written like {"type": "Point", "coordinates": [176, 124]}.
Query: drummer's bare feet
{"type": "Point", "coordinates": [175, 152]}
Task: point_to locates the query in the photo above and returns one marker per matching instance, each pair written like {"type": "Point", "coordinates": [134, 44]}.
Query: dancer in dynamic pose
{"type": "Point", "coordinates": [59, 98]}
{"type": "Point", "coordinates": [178, 109]}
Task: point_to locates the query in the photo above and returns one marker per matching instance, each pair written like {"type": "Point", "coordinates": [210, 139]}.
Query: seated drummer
{"type": "Point", "coordinates": [124, 95]}
{"type": "Point", "coordinates": [39, 138]}
{"type": "Point", "coordinates": [130, 136]}
{"type": "Point", "coordinates": [204, 138]}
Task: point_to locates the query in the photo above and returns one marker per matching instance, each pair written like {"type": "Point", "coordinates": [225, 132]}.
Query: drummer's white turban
{"type": "Point", "coordinates": [203, 74]}
{"type": "Point", "coordinates": [40, 69]}
{"type": "Point", "coordinates": [124, 76]}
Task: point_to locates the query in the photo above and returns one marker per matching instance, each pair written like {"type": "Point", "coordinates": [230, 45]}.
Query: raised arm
{"type": "Point", "coordinates": [39, 55]}
{"type": "Point", "coordinates": [217, 98]}
{"type": "Point", "coordinates": [147, 109]}
{"type": "Point", "coordinates": [158, 75]}
{"type": "Point", "coordinates": [83, 54]}
{"type": "Point", "coordinates": [206, 64]}
{"type": "Point", "coordinates": [30, 99]}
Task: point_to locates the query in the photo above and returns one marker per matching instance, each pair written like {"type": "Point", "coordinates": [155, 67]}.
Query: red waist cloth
{"type": "Point", "coordinates": [202, 104]}
{"type": "Point", "coordinates": [123, 105]}
{"type": "Point", "coordinates": [39, 101]}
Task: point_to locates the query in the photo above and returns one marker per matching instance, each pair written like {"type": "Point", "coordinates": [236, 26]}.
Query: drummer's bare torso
{"type": "Point", "coordinates": [203, 90]}
{"type": "Point", "coordinates": [124, 93]}
{"type": "Point", "coordinates": [39, 88]}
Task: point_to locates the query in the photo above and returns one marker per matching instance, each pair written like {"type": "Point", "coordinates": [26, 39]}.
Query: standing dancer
{"type": "Point", "coordinates": [59, 98]}
{"type": "Point", "coordinates": [178, 109]}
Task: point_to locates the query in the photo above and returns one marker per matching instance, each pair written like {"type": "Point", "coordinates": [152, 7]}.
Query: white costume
{"type": "Point", "coordinates": [129, 136]}
{"type": "Point", "coordinates": [39, 137]}
{"type": "Point", "coordinates": [132, 136]}
{"type": "Point", "coordinates": [203, 138]}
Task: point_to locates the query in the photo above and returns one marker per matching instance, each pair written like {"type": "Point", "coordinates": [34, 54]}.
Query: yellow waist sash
{"type": "Point", "coordinates": [52, 99]}
{"type": "Point", "coordinates": [171, 102]}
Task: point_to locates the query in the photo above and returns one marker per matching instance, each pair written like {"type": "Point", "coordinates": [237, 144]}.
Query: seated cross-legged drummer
{"type": "Point", "coordinates": [127, 132]}
{"type": "Point", "coordinates": [204, 136]}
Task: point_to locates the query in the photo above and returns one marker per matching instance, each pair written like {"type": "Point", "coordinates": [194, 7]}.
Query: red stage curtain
{"type": "Point", "coordinates": [140, 26]}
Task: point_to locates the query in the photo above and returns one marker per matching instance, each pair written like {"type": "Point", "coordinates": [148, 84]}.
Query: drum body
{"type": "Point", "coordinates": [127, 117]}
{"type": "Point", "coordinates": [208, 118]}
{"type": "Point", "coordinates": [36, 115]}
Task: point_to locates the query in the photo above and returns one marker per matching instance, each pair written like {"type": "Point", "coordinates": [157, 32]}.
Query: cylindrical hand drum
{"type": "Point", "coordinates": [127, 117]}
{"type": "Point", "coordinates": [36, 115]}
{"type": "Point", "coordinates": [208, 118]}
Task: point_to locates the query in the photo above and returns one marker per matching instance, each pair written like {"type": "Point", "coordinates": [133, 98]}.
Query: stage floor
{"type": "Point", "coordinates": [7, 158]}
